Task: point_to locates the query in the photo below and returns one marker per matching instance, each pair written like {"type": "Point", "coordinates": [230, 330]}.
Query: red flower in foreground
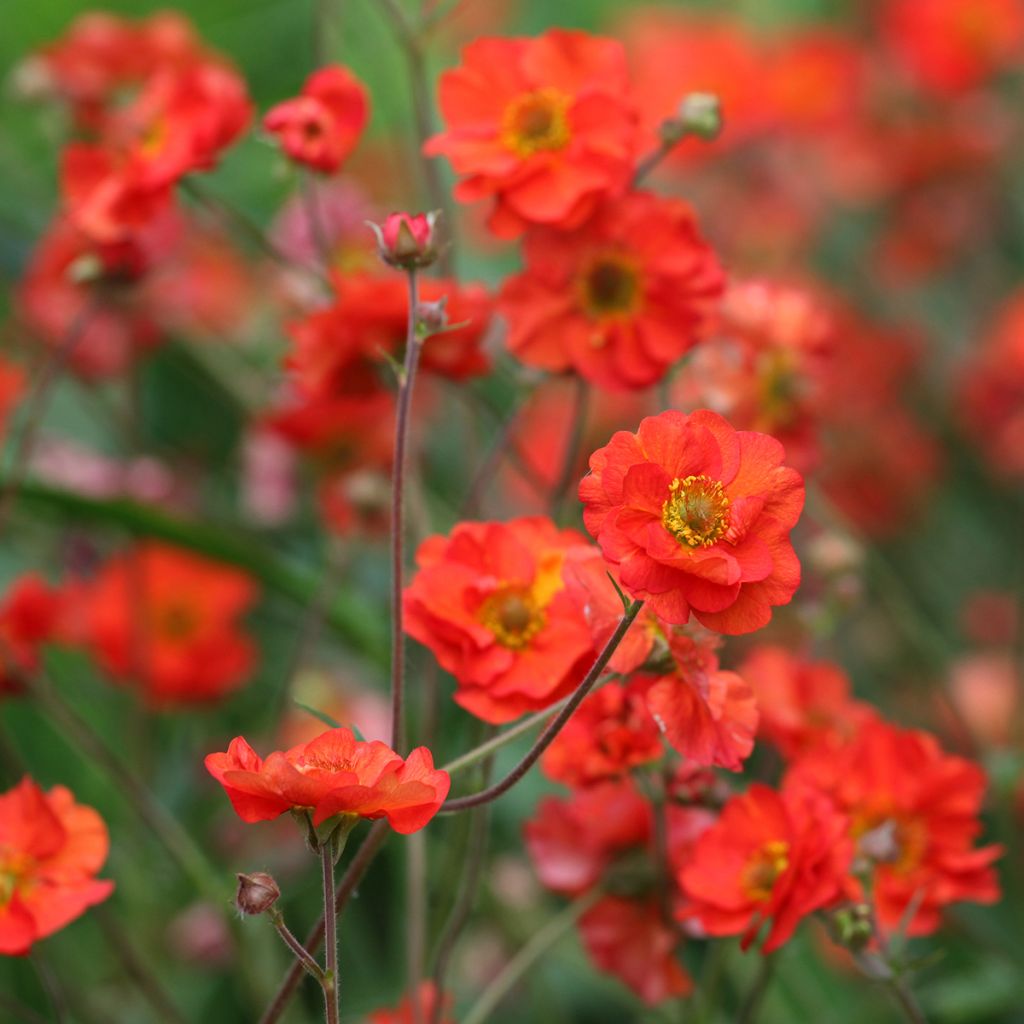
{"type": "Point", "coordinates": [50, 851]}
{"type": "Point", "coordinates": [490, 602]}
{"type": "Point", "coordinates": [769, 857]}
{"type": "Point", "coordinates": [620, 299]}
{"type": "Point", "coordinates": [427, 998]}
{"type": "Point", "coordinates": [696, 516]}
{"type": "Point", "coordinates": [321, 126]}
{"type": "Point", "coordinates": [544, 125]}
{"type": "Point", "coordinates": [333, 774]}
{"type": "Point", "coordinates": [169, 621]}
{"type": "Point", "coordinates": [913, 811]}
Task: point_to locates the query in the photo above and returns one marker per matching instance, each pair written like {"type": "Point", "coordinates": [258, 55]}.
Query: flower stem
{"type": "Point", "coordinates": [413, 345]}
{"type": "Point", "coordinates": [416, 920]}
{"type": "Point", "coordinates": [302, 955]}
{"type": "Point", "coordinates": [544, 940]}
{"type": "Point", "coordinates": [577, 425]}
{"type": "Point", "coordinates": [314, 219]}
{"type": "Point", "coordinates": [544, 740]}
{"type": "Point", "coordinates": [330, 976]}
{"type": "Point", "coordinates": [752, 1003]}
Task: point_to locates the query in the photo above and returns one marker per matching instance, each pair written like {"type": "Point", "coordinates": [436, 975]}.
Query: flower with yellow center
{"type": "Point", "coordinates": [764, 868]}
{"type": "Point", "coordinates": [536, 122]}
{"type": "Point", "coordinates": [696, 511]}
{"type": "Point", "coordinates": [514, 613]}
{"type": "Point", "coordinates": [609, 286]}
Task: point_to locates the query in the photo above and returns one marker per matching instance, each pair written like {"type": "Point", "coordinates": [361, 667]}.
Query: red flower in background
{"type": "Point", "coordinates": [696, 516]}
{"type": "Point", "coordinates": [332, 774]}
{"type": "Point", "coordinates": [12, 386]}
{"type": "Point", "coordinates": [913, 811]}
{"type": "Point", "coordinates": [322, 125]}
{"type": "Point", "coordinates": [620, 299]}
{"type": "Point", "coordinates": [427, 998]}
{"type": "Point", "coordinates": [543, 125]}
{"type": "Point", "coordinates": [769, 857]}
{"type": "Point", "coordinates": [490, 602]}
{"type": "Point", "coordinates": [50, 851]}
{"type": "Point", "coordinates": [169, 622]}
{"type": "Point", "coordinates": [30, 615]}
{"type": "Point", "coordinates": [950, 46]}
{"type": "Point", "coordinates": [804, 704]}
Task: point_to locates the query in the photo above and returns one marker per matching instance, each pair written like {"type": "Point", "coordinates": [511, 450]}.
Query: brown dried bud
{"type": "Point", "coordinates": [257, 893]}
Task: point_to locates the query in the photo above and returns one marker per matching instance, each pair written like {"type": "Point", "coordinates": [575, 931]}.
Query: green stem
{"type": "Point", "coordinates": [752, 1002]}
{"type": "Point", "coordinates": [330, 978]}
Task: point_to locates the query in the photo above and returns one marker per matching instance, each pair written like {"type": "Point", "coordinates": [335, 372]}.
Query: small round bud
{"type": "Point", "coordinates": [407, 240]}
{"type": "Point", "coordinates": [257, 893]}
{"type": "Point", "coordinates": [851, 926]}
{"type": "Point", "coordinates": [432, 317]}
{"type": "Point", "coordinates": [700, 113]}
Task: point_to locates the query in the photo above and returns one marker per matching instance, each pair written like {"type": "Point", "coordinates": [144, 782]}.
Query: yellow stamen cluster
{"type": "Point", "coordinates": [696, 511]}
{"type": "Point", "coordinates": [513, 615]}
{"type": "Point", "coordinates": [536, 121]}
{"type": "Point", "coordinates": [764, 869]}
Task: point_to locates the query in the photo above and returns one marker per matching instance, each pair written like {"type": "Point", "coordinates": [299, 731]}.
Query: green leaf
{"type": "Point", "coordinates": [321, 715]}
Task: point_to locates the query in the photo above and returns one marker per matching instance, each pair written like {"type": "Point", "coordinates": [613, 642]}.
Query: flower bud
{"type": "Point", "coordinates": [432, 317]}
{"type": "Point", "coordinates": [407, 240]}
{"type": "Point", "coordinates": [257, 893]}
{"type": "Point", "coordinates": [851, 926]}
{"type": "Point", "coordinates": [699, 114]}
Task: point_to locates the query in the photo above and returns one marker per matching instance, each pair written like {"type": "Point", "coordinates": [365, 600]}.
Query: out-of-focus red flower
{"type": "Point", "coordinates": [168, 621]}
{"type": "Point", "coordinates": [986, 690]}
{"type": "Point", "coordinates": [696, 516]}
{"type": "Point", "coordinates": [12, 386]}
{"type": "Point", "coordinates": [50, 851]}
{"type": "Point", "coordinates": [950, 46]}
{"type": "Point", "coordinates": [991, 616]}
{"type": "Point", "coordinates": [610, 733]}
{"type": "Point", "coordinates": [804, 704]}
{"type": "Point", "coordinates": [543, 125]}
{"type": "Point", "coordinates": [30, 615]}
{"type": "Point", "coordinates": [490, 602]}
{"type": "Point", "coordinates": [991, 391]}
{"type": "Point", "coordinates": [769, 857]}
{"type": "Point", "coordinates": [321, 126]}
{"type": "Point", "coordinates": [620, 299]}
{"type": "Point", "coordinates": [427, 998]}
{"type": "Point", "coordinates": [631, 940]}
{"type": "Point", "coordinates": [333, 774]}
{"type": "Point", "coordinates": [913, 811]}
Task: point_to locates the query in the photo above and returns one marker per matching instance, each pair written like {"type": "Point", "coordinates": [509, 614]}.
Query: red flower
{"type": "Point", "coordinates": [769, 857]}
{"type": "Point", "coordinates": [696, 516]}
{"type": "Point", "coordinates": [610, 733]}
{"type": "Point", "coordinates": [333, 774]}
{"type": "Point", "coordinates": [543, 125]}
{"type": "Point", "coordinates": [913, 811]}
{"type": "Point", "coordinates": [169, 621]}
{"type": "Point", "coordinates": [620, 299]}
{"type": "Point", "coordinates": [12, 386]}
{"type": "Point", "coordinates": [30, 614]}
{"type": "Point", "coordinates": [321, 126]}
{"type": "Point", "coordinates": [50, 851]}
{"type": "Point", "coordinates": [490, 602]}
{"type": "Point", "coordinates": [631, 939]}
{"type": "Point", "coordinates": [427, 998]}
{"type": "Point", "coordinates": [804, 704]}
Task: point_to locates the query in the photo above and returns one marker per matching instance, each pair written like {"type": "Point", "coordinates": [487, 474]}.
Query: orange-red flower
{"type": "Point", "coordinates": [490, 602]}
{"type": "Point", "coordinates": [332, 774]}
{"type": "Point", "coordinates": [12, 386]}
{"type": "Point", "coordinates": [543, 125]}
{"type": "Point", "coordinates": [803, 703]}
{"type": "Point", "coordinates": [913, 812]}
{"type": "Point", "coordinates": [168, 621]}
{"type": "Point", "coordinates": [427, 998]}
{"type": "Point", "coordinates": [321, 126]}
{"type": "Point", "coordinates": [769, 857]}
{"type": "Point", "coordinates": [620, 299]}
{"type": "Point", "coordinates": [696, 516]}
{"type": "Point", "coordinates": [30, 614]}
{"type": "Point", "coordinates": [50, 851]}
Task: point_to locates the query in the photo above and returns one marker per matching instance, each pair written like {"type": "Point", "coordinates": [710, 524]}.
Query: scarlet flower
{"type": "Point", "coordinates": [321, 126]}
{"type": "Point", "coordinates": [490, 602]}
{"type": "Point", "coordinates": [769, 857]}
{"type": "Point", "coordinates": [332, 774]}
{"type": "Point", "coordinates": [12, 385]}
{"type": "Point", "coordinates": [50, 851]}
{"type": "Point", "coordinates": [543, 125]}
{"type": "Point", "coordinates": [427, 998]}
{"type": "Point", "coordinates": [696, 516]}
{"type": "Point", "coordinates": [168, 621]}
{"type": "Point", "coordinates": [804, 704]}
{"type": "Point", "coordinates": [618, 300]}
{"type": "Point", "coordinates": [30, 615]}
{"type": "Point", "coordinates": [913, 812]}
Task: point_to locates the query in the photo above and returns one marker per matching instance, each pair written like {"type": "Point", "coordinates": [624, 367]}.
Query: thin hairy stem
{"type": "Point", "coordinates": [330, 978]}
{"type": "Point", "coordinates": [302, 955]}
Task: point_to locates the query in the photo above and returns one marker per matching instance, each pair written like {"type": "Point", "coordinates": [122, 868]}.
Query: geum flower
{"type": "Point", "coordinates": [334, 774]}
{"type": "Point", "coordinates": [50, 851]}
{"type": "Point", "coordinates": [545, 126]}
{"type": "Point", "coordinates": [618, 300]}
{"type": "Point", "coordinates": [696, 516]}
{"type": "Point", "coordinates": [770, 857]}
{"type": "Point", "coordinates": [490, 601]}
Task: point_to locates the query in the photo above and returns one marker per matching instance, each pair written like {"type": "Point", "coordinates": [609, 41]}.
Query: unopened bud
{"type": "Point", "coordinates": [851, 926]}
{"type": "Point", "coordinates": [407, 240]}
{"type": "Point", "coordinates": [432, 317]}
{"type": "Point", "coordinates": [699, 114]}
{"type": "Point", "coordinates": [257, 893]}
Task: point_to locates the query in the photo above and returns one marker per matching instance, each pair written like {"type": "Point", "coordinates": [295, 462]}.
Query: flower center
{"type": "Point", "coordinates": [513, 616]}
{"type": "Point", "coordinates": [696, 511]}
{"type": "Point", "coordinates": [536, 121]}
{"type": "Point", "coordinates": [764, 868]}
{"type": "Point", "coordinates": [177, 622]}
{"type": "Point", "coordinates": [891, 839]}
{"type": "Point", "coordinates": [14, 867]}
{"type": "Point", "coordinates": [324, 764]}
{"type": "Point", "coordinates": [610, 286]}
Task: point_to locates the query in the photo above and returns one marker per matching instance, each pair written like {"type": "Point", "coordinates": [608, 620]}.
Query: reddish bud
{"type": "Point", "coordinates": [257, 893]}
{"type": "Point", "coordinates": [407, 240]}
